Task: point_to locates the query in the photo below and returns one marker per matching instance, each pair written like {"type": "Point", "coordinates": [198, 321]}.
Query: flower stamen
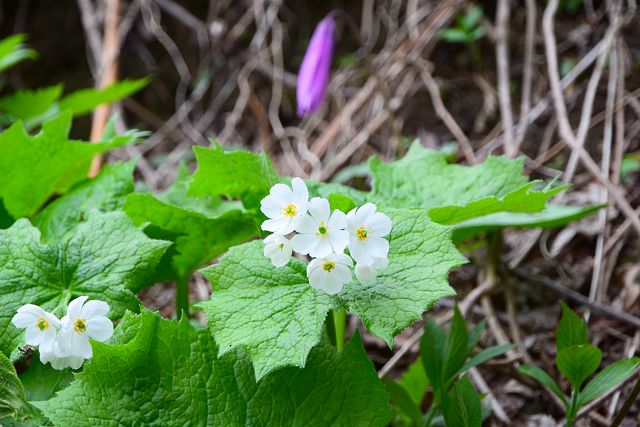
{"type": "Point", "coordinates": [329, 266]}
{"type": "Point", "coordinates": [323, 230]}
{"type": "Point", "coordinates": [290, 210]}
{"type": "Point", "coordinates": [362, 233]}
{"type": "Point", "coordinates": [80, 325]}
{"type": "Point", "coordinates": [42, 324]}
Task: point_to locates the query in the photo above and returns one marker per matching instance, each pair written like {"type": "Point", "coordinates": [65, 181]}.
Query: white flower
{"type": "Point", "coordinates": [366, 273]}
{"type": "Point", "coordinates": [84, 320]}
{"type": "Point", "coordinates": [285, 207]}
{"type": "Point", "coordinates": [367, 229]}
{"type": "Point", "coordinates": [321, 233]}
{"type": "Point", "coordinates": [41, 326]}
{"type": "Point", "coordinates": [330, 273]}
{"type": "Point", "coordinates": [60, 363]}
{"type": "Point", "coordinates": [278, 249]}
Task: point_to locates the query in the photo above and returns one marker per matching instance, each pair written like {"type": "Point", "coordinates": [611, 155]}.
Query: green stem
{"type": "Point", "coordinates": [573, 409]}
{"type": "Point", "coordinates": [340, 324]}
{"type": "Point", "coordinates": [430, 415]}
{"type": "Point", "coordinates": [182, 297]}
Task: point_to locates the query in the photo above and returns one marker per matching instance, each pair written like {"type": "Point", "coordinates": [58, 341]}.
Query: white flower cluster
{"type": "Point", "coordinates": [324, 236]}
{"type": "Point", "coordinates": [65, 342]}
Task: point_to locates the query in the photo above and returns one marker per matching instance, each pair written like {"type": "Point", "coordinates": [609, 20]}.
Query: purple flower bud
{"type": "Point", "coordinates": [316, 65]}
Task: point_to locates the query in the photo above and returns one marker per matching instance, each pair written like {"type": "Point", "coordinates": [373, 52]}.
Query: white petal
{"type": "Point", "coordinates": [99, 328]}
{"type": "Point", "coordinates": [379, 225]}
{"type": "Point", "coordinates": [342, 273]}
{"type": "Point", "coordinates": [319, 209]}
{"type": "Point", "coordinates": [281, 195]}
{"type": "Point", "coordinates": [363, 212]}
{"type": "Point", "coordinates": [339, 240]}
{"type": "Point", "coordinates": [24, 319]}
{"type": "Point", "coordinates": [342, 259]}
{"type": "Point", "coordinates": [377, 247]}
{"type": "Point", "coordinates": [75, 306]}
{"type": "Point", "coordinates": [52, 319]}
{"type": "Point", "coordinates": [33, 336]}
{"type": "Point", "coordinates": [48, 339]}
{"type": "Point", "coordinates": [94, 308]}
{"type": "Point", "coordinates": [351, 220]}
{"type": "Point", "coordinates": [380, 262]}
{"type": "Point", "coordinates": [314, 266]}
{"type": "Point", "coordinates": [322, 248]}
{"type": "Point", "coordinates": [304, 243]}
{"type": "Point", "coordinates": [280, 226]}
{"type": "Point", "coordinates": [338, 220]}
{"type": "Point", "coordinates": [31, 309]}
{"type": "Point", "coordinates": [359, 252]}
{"type": "Point", "coordinates": [300, 192]}
{"type": "Point", "coordinates": [307, 225]}
{"type": "Point", "coordinates": [365, 273]}
{"type": "Point", "coordinates": [80, 346]}
{"type": "Point", "coordinates": [270, 208]}
{"type": "Point", "coordinates": [281, 258]}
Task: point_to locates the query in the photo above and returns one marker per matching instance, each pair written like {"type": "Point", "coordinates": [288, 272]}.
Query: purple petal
{"type": "Point", "coordinates": [313, 76]}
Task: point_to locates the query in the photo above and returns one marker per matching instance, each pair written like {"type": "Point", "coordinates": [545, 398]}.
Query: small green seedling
{"type": "Point", "coordinates": [576, 360]}
{"type": "Point", "coordinates": [445, 357]}
{"type": "Point", "coordinates": [467, 30]}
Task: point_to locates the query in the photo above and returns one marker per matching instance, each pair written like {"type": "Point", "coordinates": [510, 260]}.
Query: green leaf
{"type": "Point", "coordinates": [165, 373]}
{"type": "Point", "coordinates": [104, 193]}
{"type": "Point", "coordinates": [472, 17]}
{"type": "Point", "coordinates": [107, 258]}
{"type": "Point", "coordinates": [608, 378]}
{"type": "Point", "coordinates": [544, 378]}
{"type": "Point", "coordinates": [11, 392]}
{"type": "Point", "coordinates": [234, 174]}
{"type": "Point", "coordinates": [275, 315]}
{"type": "Point", "coordinates": [341, 203]}
{"type": "Point", "coordinates": [272, 313]}
{"type": "Point", "coordinates": [13, 51]}
{"type": "Point", "coordinates": [420, 257]}
{"type": "Point", "coordinates": [198, 237]}
{"type": "Point", "coordinates": [461, 407]}
{"type": "Point", "coordinates": [484, 356]}
{"type": "Point", "coordinates": [33, 168]}
{"type": "Point", "coordinates": [41, 382]}
{"type": "Point", "coordinates": [455, 35]}
{"type": "Point", "coordinates": [402, 400]}
{"type": "Point", "coordinates": [415, 381]}
{"type": "Point", "coordinates": [552, 216]}
{"type": "Point", "coordinates": [85, 100]}
{"type": "Point", "coordinates": [27, 104]}
{"type": "Point", "coordinates": [475, 335]}
{"type": "Point", "coordinates": [457, 346]}
{"type": "Point", "coordinates": [433, 347]}
{"type": "Point", "coordinates": [571, 329]}
{"type": "Point", "coordinates": [455, 193]}
{"type": "Point", "coordinates": [576, 363]}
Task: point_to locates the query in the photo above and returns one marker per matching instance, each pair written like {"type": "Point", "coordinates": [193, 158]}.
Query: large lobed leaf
{"type": "Point", "coordinates": [165, 373]}
{"type": "Point", "coordinates": [275, 315]}
{"type": "Point", "coordinates": [12, 396]}
{"type": "Point", "coordinates": [104, 193]}
{"type": "Point", "coordinates": [454, 193]}
{"type": "Point", "coordinates": [200, 228]}
{"type": "Point", "coordinates": [107, 258]}
{"type": "Point", "coordinates": [234, 174]}
{"type": "Point", "coordinates": [33, 168]}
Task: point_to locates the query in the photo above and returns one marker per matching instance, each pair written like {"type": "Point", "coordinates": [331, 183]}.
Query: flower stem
{"type": "Point", "coordinates": [182, 297]}
{"type": "Point", "coordinates": [573, 409]}
{"type": "Point", "coordinates": [340, 324]}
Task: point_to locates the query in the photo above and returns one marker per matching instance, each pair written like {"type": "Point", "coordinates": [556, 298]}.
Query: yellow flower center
{"type": "Point", "coordinates": [42, 324]}
{"type": "Point", "coordinates": [329, 266]}
{"type": "Point", "coordinates": [80, 325]}
{"type": "Point", "coordinates": [290, 210]}
{"type": "Point", "coordinates": [362, 233]}
{"type": "Point", "coordinates": [323, 230]}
